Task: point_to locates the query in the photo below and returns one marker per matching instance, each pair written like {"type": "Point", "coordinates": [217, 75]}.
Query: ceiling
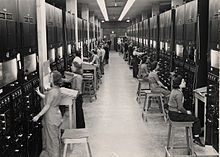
{"type": "Point", "coordinates": [115, 7]}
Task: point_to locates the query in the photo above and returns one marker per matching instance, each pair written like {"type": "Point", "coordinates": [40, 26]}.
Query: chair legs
{"type": "Point", "coordinates": [89, 152]}
{"type": "Point", "coordinates": [65, 150]}
{"type": "Point", "coordinates": [148, 104]}
{"type": "Point", "coordinates": [171, 136]}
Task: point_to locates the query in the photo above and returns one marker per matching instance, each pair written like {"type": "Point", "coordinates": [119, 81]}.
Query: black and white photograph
{"type": "Point", "coordinates": [109, 78]}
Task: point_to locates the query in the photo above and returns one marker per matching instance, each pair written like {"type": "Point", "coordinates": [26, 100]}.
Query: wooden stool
{"type": "Point", "coordinates": [140, 91]}
{"type": "Point", "coordinates": [71, 136]}
{"type": "Point", "coordinates": [148, 95]}
{"type": "Point", "coordinates": [189, 138]}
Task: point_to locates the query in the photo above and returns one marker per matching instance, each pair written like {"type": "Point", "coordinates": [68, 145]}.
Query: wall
{"type": "Point", "coordinates": [118, 27]}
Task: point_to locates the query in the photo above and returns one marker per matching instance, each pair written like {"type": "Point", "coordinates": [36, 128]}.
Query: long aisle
{"type": "Point", "coordinates": [114, 120]}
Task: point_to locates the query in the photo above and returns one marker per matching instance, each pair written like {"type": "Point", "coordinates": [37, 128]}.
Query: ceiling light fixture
{"type": "Point", "coordinates": [116, 4]}
{"type": "Point", "coordinates": [126, 8]}
{"type": "Point", "coordinates": [103, 9]}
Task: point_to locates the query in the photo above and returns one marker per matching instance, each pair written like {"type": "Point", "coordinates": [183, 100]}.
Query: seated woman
{"type": "Point", "coordinates": [155, 85]}
{"type": "Point", "coordinates": [178, 113]}
{"type": "Point", "coordinates": [76, 84]}
{"type": "Point", "coordinates": [144, 70]}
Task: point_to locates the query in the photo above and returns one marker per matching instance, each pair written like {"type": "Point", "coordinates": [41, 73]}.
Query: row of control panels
{"type": "Point", "coordinates": [18, 133]}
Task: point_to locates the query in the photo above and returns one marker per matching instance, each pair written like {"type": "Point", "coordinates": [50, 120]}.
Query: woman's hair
{"type": "Point", "coordinates": [177, 81]}
{"type": "Point", "coordinates": [153, 65]}
{"type": "Point", "coordinates": [57, 78]}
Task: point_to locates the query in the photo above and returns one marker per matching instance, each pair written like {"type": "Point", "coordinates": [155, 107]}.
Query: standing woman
{"type": "Point", "coordinates": [106, 57]}
{"type": "Point", "coordinates": [136, 61]}
{"type": "Point", "coordinates": [76, 84]}
{"type": "Point", "coordinates": [52, 117]}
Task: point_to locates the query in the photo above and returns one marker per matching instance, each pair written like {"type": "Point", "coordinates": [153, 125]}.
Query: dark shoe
{"type": "Point", "coordinates": [198, 142]}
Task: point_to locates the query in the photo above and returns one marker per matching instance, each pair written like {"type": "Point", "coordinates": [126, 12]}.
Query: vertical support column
{"type": "Point", "coordinates": [99, 25]}
{"type": "Point", "coordinates": [93, 23]}
{"type": "Point", "coordinates": [72, 6]}
{"type": "Point", "coordinates": [85, 15]}
{"type": "Point", "coordinates": [137, 31]}
{"type": "Point", "coordinates": [155, 12]}
{"type": "Point", "coordinates": [96, 24]}
{"type": "Point", "coordinates": [92, 20]}
{"type": "Point", "coordinates": [41, 37]}
{"type": "Point", "coordinates": [176, 3]}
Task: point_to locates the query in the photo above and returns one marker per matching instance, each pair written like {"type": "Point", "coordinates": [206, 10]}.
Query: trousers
{"type": "Point", "coordinates": [182, 117]}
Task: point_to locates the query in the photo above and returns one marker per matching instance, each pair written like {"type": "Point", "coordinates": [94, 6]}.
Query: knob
{"type": "Point", "coordinates": [16, 150]}
{"type": "Point", "coordinates": [7, 137]}
{"type": "Point", "coordinates": [2, 115]}
{"type": "Point", "coordinates": [3, 122]}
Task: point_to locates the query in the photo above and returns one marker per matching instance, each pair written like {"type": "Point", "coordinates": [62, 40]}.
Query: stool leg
{"type": "Point", "coordinates": [145, 101]}
{"type": "Point", "coordinates": [90, 93]}
{"type": "Point", "coordinates": [169, 136]}
{"type": "Point", "coordinates": [162, 106]}
{"type": "Point", "coordinates": [139, 92]}
{"type": "Point", "coordinates": [89, 153]}
{"type": "Point", "coordinates": [187, 140]}
{"type": "Point", "coordinates": [172, 135]}
{"type": "Point", "coordinates": [65, 150]}
{"type": "Point", "coordinates": [191, 140]}
{"type": "Point", "coordinates": [148, 103]}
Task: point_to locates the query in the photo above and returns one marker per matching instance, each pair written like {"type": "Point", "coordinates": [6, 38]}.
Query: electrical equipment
{"type": "Point", "coordinates": [214, 60]}
{"type": "Point", "coordinates": [212, 109]}
{"type": "Point", "coordinates": [27, 23]}
{"type": "Point", "coordinates": [161, 45]}
{"type": "Point", "coordinates": [8, 23]}
{"type": "Point", "coordinates": [6, 124]}
{"type": "Point", "coordinates": [30, 64]}
{"type": "Point", "coordinates": [166, 46]}
{"type": "Point", "coordinates": [50, 22]}
{"type": "Point", "coordinates": [51, 55]}
{"type": "Point", "coordinates": [58, 25]}
{"type": "Point", "coordinates": [154, 44]}
{"type": "Point", "coordinates": [60, 52]}
{"type": "Point", "coordinates": [179, 50]}
{"type": "Point", "coordinates": [69, 49]}
{"type": "Point", "coordinates": [8, 72]}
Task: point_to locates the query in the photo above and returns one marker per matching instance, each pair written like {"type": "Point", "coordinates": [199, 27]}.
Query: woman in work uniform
{"type": "Point", "coordinates": [76, 84]}
{"type": "Point", "coordinates": [52, 117]}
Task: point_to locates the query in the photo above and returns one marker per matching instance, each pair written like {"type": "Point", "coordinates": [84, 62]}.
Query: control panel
{"type": "Point", "coordinates": [212, 111]}
{"type": "Point", "coordinates": [5, 125]}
